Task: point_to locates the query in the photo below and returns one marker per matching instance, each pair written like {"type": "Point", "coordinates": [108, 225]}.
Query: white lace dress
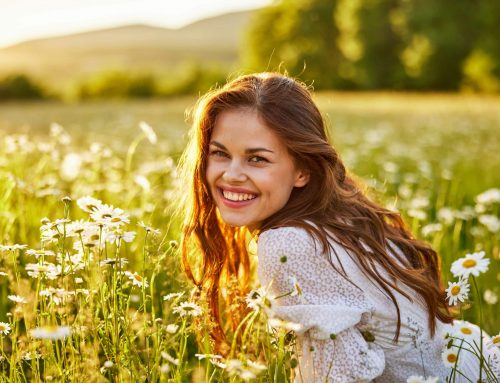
{"type": "Point", "coordinates": [347, 331]}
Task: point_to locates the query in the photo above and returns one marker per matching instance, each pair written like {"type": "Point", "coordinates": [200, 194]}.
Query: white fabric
{"type": "Point", "coordinates": [358, 313]}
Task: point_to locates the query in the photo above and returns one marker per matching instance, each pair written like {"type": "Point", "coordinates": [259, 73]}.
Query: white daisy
{"type": "Point", "coordinates": [149, 229]}
{"type": "Point", "coordinates": [169, 358]}
{"type": "Point", "coordinates": [165, 368]}
{"type": "Point", "coordinates": [12, 247]}
{"type": "Point", "coordinates": [449, 357]}
{"type": "Point", "coordinates": [457, 291]}
{"type": "Point", "coordinates": [258, 299]}
{"type": "Point", "coordinates": [17, 298]}
{"type": "Point", "coordinates": [107, 215]}
{"type": "Point", "coordinates": [463, 330]}
{"type": "Point", "coordinates": [172, 328]}
{"type": "Point", "coordinates": [494, 342]}
{"type": "Point", "coordinates": [136, 279]}
{"type": "Point", "coordinates": [474, 264]}
{"type": "Point", "coordinates": [3, 274]}
{"type": "Point", "coordinates": [4, 328]}
{"type": "Point", "coordinates": [88, 204]}
{"type": "Point", "coordinates": [42, 270]}
{"type": "Point", "coordinates": [289, 326]}
{"type": "Point", "coordinates": [490, 297]}
{"type": "Point", "coordinates": [51, 332]}
{"type": "Point", "coordinates": [188, 309]}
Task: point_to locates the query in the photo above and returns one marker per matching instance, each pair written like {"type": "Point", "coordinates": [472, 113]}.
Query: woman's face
{"type": "Point", "coordinates": [249, 171]}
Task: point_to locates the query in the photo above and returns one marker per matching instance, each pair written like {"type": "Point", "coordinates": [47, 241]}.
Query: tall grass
{"type": "Point", "coordinates": [96, 292]}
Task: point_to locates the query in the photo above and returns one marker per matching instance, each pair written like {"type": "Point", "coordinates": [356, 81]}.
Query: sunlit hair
{"type": "Point", "coordinates": [330, 207]}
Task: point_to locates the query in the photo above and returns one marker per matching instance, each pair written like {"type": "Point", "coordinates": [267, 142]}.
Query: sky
{"type": "Point", "coordinates": [22, 20]}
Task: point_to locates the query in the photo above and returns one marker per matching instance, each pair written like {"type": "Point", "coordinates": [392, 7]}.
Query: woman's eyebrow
{"type": "Point", "coordinates": [248, 151]}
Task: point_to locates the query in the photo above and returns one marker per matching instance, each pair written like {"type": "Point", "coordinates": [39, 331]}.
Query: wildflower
{"type": "Point", "coordinates": [188, 309]}
{"type": "Point", "coordinates": [419, 214]}
{"type": "Point", "coordinates": [169, 358]}
{"type": "Point", "coordinates": [116, 236]}
{"type": "Point", "coordinates": [32, 355]}
{"type": "Point", "coordinates": [463, 330]}
{"type": "Point", "coordinates": [4, 328]}
{"type": "Point", "coordinates": [172, 328]}
{"type": "Point", "coordinates": [449, 357]}
{"type": "Point", "coordinates": [431, 228]}
{"type": "Point", "coordinates": [50, 235]}
{"type": "Point", "coordinates": [42, 270]}
{"type": "Point", "coordinates": [51, 332]}
{"type": "Point", "coordinates": [493, 342]}
{"type": "Point", "coordinates": [457, 291]}
{"type": "Point", "coordinates": [17, 298]}
{"type": "Point", "coordinates": [148, 132]}
{"type": "Point", "coordinates": [3, 274]}
{"type": "Point", "coordinates": [76, 228]}
{"type": "Point", "coordinates": [490, 297]}
{"type": "Point", "coordinates": [88, 204]}
{"type": "Point", "coordinates": [148, 228]}
{"type": "Point", "coordinates": [258, 299]}
{"type": "Point", "coordinates": [136, 279]}
{"type": "Point", "coordinates": [296, 287]}
{"type": "Point", "coordinates": [107, 215]}
{"type": "Point", "coordinates": [70, 166]}
{"type": "Point", "coordinates": [165, 368]}
{"type": "Point", "coordinates": [235, 367]}
{"type": "Point", "coordinates": [491, 222]}
{"type": "Point", "coordinates": [473, 264]}
{"type": "Point", "coordinates": [40, 253]}
{"type": "Point", "coordinates": [489, 197]}
{"type": "Point", "coordinates": [446, 215]}
{"type": "Point", "coordinates": [210, 356]}
{"type": "Point", "coordinates": [12, 247]}
{"type": "Point", "coordinates": [420, 379]}
{"type": "Point", "coordinates": [108, 364]}
{"type": "Point", "coordinates": [172, 295]}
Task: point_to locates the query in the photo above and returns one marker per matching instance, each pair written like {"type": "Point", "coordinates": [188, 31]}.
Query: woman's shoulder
{"type": "Point", "coordinates": [286, 238]}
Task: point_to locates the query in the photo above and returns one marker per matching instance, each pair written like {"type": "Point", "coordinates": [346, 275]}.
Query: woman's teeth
{"type": "Point", "coordinates": [237, 196]}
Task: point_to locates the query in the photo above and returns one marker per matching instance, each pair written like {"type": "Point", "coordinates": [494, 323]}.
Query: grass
{"type": "Point", "coordinates": [429, 156]}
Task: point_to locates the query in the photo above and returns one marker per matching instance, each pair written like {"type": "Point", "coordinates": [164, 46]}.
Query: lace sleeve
{"type": "Point", "coordinates": [311, 293]}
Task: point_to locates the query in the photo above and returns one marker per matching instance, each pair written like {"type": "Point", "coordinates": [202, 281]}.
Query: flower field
{"type": "Point", "coordinates": [91, 284]}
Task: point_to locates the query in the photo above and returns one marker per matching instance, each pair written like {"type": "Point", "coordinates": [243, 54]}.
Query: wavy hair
{"type": "Point", "coordinates": [330, 207]}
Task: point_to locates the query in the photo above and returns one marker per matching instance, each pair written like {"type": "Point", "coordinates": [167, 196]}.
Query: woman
{"type": "Point", "coordinates": [367, 295]}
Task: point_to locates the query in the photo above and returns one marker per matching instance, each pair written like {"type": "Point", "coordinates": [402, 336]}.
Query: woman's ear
{"type": "Point", "coordinates": [302, 178]}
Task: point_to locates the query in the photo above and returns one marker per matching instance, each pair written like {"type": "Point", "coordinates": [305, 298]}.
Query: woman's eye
{"type": "Point", "coordinates": [257, 159]}
{"type": "Point", "coordinates": [218, 153]}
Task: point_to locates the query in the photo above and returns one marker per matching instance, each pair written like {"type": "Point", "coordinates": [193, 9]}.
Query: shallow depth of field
{"type": "Point", "coordinates": [99, 295]}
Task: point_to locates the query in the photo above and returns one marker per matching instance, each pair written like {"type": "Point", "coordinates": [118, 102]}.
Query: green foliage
{"type": "Point", "coordinates": [21, 87]}
{"type": "Point", "coordinates": [380, 44]}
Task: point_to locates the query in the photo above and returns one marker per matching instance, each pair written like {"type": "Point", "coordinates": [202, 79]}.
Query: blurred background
{"type": "Point", "coordinates": [80, 50]}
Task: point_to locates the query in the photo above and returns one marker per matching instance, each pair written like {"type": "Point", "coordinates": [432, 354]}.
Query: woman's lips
{"type": "Point", "coordinates": [236, 204]}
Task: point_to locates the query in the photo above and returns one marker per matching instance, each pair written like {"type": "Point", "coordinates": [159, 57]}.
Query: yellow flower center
{"type": "Point", "coordinates": [452, 358]}
{"type": "Point", "coordinates": [466, 330]}
{"type": "Point", "coordinates": [496, 340]}
{"type": "Point", "coordinates": [455, 290]}
{"type": "Point", "coordinates": [469, 263]}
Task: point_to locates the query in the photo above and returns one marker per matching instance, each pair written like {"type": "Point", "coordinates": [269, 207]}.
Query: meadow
{"type": "Point", "coordinates": [91, 287]}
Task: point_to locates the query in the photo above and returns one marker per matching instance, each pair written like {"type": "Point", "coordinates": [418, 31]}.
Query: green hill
{"type": "Point", "coordinates": [62, 60]}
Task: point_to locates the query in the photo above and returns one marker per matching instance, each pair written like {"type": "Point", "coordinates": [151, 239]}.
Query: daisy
{"type": "Point", "coordinates": [149, 229]}
{"type": "Point", "coordinates": [290, 326]}
{"type": "Point", "coordinates": [463, 330]}
{"type": "Point", "coordinates": [171, 328]}
{"type": "Point", "coordinates": [493, 342]}
{"type": "Point", "coordinates": [51, 332]}
{"type": "Point", "coordinates": [107, 215]}
{"type": "Point", "coordinates": [4, 328]}
{"type": "Point", "coordinates": [88, 204]}
{"type": "Point", "coordinates": [473, 264]}
{"type": "Point", "coordinates": [165, 368]}
{"type": "Point", "coordinates": [12, 247]}
{"type": "Point", "coordinates": [136, 279]}
{"type": "Point", "coordinates": [40, 253]}
{"type": "Point", "coordinates": [17, 299]}
{"type": "Point", "coordinates": [188, 308]}
{"type": "Point", "coordinates": [3, 274]}
{"type": "Point", "coordinates": [169, 358]}
{"type": "Point", "coordinates": [457, 291]}
{"type": "Point", "coordinates": [46, 270]}
{"type": "Point", "coordinates": [449, 357]}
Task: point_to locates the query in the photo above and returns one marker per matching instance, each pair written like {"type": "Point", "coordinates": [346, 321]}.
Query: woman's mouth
{"type": "Point", "coordinates": [234, 199]}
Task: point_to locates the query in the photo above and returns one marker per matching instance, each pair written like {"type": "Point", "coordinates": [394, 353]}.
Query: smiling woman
{"type": "Point", "coordinates": [365, 295]}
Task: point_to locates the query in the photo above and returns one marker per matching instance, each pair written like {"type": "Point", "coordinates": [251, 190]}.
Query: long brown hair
{"type": "Point", "coordinates": [330, 207]}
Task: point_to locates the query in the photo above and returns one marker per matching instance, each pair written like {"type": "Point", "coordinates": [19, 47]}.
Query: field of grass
{"type": "Point", "coordinates": [87, 295]}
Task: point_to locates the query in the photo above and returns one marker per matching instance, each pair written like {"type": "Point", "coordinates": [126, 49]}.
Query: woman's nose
{"type": "Point", "coordinates": [234, 173]}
